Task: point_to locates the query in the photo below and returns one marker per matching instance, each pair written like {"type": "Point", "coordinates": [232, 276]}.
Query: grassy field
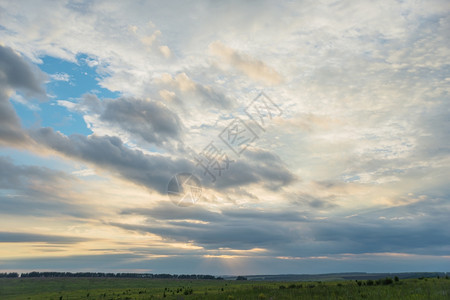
{"type": "Point", "coordinates": [130, 288]}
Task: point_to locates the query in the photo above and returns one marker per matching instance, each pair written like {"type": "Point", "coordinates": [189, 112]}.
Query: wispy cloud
{"type": "Point", "coordinates": [253, 68]}
{"type": "Point", "coordinates": [60, 77]}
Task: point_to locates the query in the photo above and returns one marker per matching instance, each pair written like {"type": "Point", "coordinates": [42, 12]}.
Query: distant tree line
{"type": "Point", "coordinates": [9, 275]}
{"type": "Point", "coordinates": [115, 275]}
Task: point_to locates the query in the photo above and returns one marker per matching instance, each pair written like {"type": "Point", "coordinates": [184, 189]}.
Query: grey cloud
{"type": "Point", "coordinates": [152, 171]}
{"type": "Point", "coordinates": [20, 237]}
{"type": "Point", "coordinates": [90, 102]}
{"type": "Point", "coordinates": [238, 228]}
{"type": "Point", "coordinates": [320, 203]}
{"type": "Point", "coordinates": [198, 213]}
{"type": "Point", "coordinates": [273, 216]}
{"type": "Point", "coordinates": [314, 202]}
{"type": "Point", "coordinates": [147, 120]}
{"type": "Point", "coordinates": [151, 120]}
{"type": "Point", "coordinates": [257, 166]}
{"type": "Point", "coordinates": [15, 73]}
{"type": "Point", "coordinates": [236, 235]}
{"type": "Point", "coordinates": [418, 228]}
{"type": "Point", "coordinates": [37, 191]}
{"type": "Point", "coordinates": [359, 237]}
{"type": "Point", "coordinates": [10, 127]}
{"type": "Point", "coordinates": [36, 202]}
{"type": "Point", "coordinates": [12, 176]}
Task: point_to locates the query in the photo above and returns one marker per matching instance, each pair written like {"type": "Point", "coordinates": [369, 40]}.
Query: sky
{"type": "Point", "coordinates": [225, 137]}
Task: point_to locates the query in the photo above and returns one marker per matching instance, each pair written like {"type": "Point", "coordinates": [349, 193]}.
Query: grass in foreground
{"type": "Point", "coordinates": [135, 288]}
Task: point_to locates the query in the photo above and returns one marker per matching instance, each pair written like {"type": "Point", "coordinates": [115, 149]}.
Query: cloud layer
{"type": "Point", "coordinates": [351, 176]}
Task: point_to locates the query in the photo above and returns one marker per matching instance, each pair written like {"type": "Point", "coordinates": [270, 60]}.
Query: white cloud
{"type": "Point", "coordinates": [60, 77]}
{"type": "Point", "coordinates": [84, 172]}
{"type": "Point", "coordinates": [165, 51]}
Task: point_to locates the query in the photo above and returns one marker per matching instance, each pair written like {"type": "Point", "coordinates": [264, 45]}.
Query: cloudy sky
{"type": "Point", "coordinates": [319, 132]}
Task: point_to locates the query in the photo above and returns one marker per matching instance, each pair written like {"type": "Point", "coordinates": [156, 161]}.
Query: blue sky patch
{"type": "Point", "coordinates": [67, 81]}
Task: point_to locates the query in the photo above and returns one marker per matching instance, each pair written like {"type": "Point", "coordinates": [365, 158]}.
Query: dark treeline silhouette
{"type": "Point", "coordinates": [9, 275]}
{"type": "Point", "coordinates": [115, 275]}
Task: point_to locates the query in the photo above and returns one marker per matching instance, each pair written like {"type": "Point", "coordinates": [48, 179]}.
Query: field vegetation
{"type": "Point", "coordinates": [58, 288]}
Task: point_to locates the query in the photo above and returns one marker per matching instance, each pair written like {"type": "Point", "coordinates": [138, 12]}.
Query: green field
{"type": "Point", "coordinates": [132, 288]}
